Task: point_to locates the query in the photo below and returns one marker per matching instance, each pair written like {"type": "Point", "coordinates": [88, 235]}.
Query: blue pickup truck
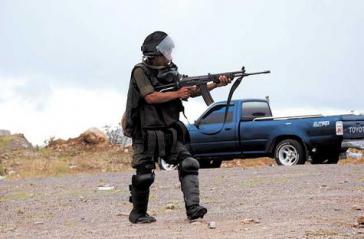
{"type": "Point", "coordinates": [251, 131]}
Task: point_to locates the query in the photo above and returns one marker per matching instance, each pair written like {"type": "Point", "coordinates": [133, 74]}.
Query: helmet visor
{"type": "Point", "coordinates": [165, 47]}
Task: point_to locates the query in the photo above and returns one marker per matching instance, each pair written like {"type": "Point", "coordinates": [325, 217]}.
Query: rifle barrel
{"type": "Point", "coordinates": [256, 73]}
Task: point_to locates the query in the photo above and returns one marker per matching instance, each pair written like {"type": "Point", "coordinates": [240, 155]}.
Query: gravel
{"type": "Point", "coordinates": [308, 201]}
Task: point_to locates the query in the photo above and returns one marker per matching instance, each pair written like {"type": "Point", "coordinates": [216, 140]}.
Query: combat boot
{"type": "Point", "coordinates": [188, 176]}
{"type": "Point", "coordinates": [139, 190]}
{"type": "Point", "coordinates": [195, 212]}
{"type": "Point", "coordinates": [139, 213]}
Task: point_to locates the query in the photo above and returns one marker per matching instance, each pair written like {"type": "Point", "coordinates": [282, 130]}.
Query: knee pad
{"type": "Point", "coordinates": [189, 166]}
{"type": "Point", "coordinates": [142, 181]}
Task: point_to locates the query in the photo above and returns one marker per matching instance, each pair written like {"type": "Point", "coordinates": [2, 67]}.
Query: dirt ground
{"type": "Point", "coordinates": [308, 201]}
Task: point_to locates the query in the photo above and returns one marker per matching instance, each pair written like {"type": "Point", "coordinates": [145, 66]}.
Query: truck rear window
{"type": "Point", "coordinates": [255, 109]}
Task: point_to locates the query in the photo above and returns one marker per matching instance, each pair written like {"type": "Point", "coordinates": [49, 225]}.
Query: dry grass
{"type": "Point", "coordinates": [48, 162]}
{"type": "Point", "coordinates": [45, 162]}
{"type": "Point", "coordinates": [248, 163]}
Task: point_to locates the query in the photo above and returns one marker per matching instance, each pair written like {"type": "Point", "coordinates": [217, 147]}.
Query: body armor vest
{"type": "Point", "coordinates": [164, 115]}
{"type": "Point", "coordinates": [156, 124]}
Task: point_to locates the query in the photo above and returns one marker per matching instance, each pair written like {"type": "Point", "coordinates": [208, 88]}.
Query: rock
{"type": "Point", "coordinates": [38, 223]}
{"type": "Point", "coordinates": [14, 142]}
{"type": "Point", "coordinates": [105, 188]}
{"type": "Point", "coordinates": [170, 206]}
{"type": "Point", "coordinates": [357, 208]}
{"type": "Point", "coordinates": [12, 172]}
{"type": "Point", "coordinates": [211, 225]}
{"type": "Point", "coordinates": [83, 199]}
{"type": "Point", "coordinates": [249, 221]}
{"type": "Point", "coordinates": [4, 132]}
{"type": "Point", "coordinates": [20, 212]}
{"type": "Point", "coordinates": [122, 214]}
{"type": "Point", "coordinates": [361, 221]}
{"type": "Point", "coordinates": [94, 136]}
{"type": "Point", "coordinates": [195, 222]}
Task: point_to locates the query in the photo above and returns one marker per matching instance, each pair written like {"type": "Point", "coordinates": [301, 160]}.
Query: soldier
{"type": "Point", "coordinates": [152, 121]}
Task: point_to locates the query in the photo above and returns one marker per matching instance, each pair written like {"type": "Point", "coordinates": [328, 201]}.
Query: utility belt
{"type": "Point", "coordinates": [162, 142]}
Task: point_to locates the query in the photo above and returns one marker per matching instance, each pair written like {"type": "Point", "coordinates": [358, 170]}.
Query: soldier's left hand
{"type": "Point", "coordinates": [223, 81]}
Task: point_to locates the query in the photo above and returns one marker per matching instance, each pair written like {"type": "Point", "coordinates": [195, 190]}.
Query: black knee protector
{"type": "Point", "coordinates": [142, 181]}
{"type": "Point", "coordinates": [189, 166]}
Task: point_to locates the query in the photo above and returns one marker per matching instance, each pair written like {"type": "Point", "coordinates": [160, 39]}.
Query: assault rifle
{"type": "Point", "coordinates": [201, 82]}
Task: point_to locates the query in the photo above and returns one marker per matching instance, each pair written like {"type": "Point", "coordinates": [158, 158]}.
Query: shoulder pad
{"type": "Point", "coordinates": [143, 67]}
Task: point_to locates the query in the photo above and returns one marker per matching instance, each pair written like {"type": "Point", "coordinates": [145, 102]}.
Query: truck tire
{"type": "Point", "coordinates": [325, 159]}
{"type": "Point", "coordinates": [317, 159]}
{"type": "Point", "coordinates": [333, 159]}
{"type": "Point", "coordinates": [216, 163]}
{"type": "Point", "coordinates": [289, 152]}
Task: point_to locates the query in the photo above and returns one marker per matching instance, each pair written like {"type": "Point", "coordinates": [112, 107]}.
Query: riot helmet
{"type": "Point", "coordinates": [158, 43]}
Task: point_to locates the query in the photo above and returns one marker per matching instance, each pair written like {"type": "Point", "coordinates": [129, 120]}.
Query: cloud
{"type": "Point", "coordinates": [69, 112]}
{"type": "Point", "coordinates": [9, 86]}
{"type": "Point", "coordinates": [31, 90]}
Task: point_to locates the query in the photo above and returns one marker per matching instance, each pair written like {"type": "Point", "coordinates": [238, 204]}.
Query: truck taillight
{"type": "Point", "coordinates": [339, 128]}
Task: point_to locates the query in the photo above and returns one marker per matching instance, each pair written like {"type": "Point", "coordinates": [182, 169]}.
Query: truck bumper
{"type": "Point", "coordinates": [353, 143]}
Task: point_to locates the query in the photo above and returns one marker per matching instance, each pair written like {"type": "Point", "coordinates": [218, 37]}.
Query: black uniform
{"type": "Point", "coordinates": [157, 132]}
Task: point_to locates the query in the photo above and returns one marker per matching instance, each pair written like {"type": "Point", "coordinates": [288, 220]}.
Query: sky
{"type": "Point", "coordinates": [65, 65]}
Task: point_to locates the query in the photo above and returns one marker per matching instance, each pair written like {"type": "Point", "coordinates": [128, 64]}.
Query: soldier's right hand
{"type": "Point", "coordinates": [183, 93]}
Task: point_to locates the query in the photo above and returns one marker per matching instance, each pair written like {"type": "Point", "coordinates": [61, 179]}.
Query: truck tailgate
{"type": "Point", "coordinates": [353, 126]}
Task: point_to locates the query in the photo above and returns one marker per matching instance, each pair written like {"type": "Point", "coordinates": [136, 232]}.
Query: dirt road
{"type": "Point", "coordinates": [309, 201]}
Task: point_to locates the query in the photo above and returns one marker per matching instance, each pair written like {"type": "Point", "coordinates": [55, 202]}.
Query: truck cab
{"type": "Point", "coordinates": [227, 142]}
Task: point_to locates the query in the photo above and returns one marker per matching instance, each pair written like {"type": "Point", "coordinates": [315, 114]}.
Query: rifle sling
{"type": "Point", "coordinates": [232, 90]}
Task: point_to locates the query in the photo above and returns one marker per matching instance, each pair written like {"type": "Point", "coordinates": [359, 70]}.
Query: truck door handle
{"type": "Point", "coordinates": [227, 129]}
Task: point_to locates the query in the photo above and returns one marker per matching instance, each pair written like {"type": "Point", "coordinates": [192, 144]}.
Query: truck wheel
{"type": "Point", "coordinates": [325, 159]}
{"type": "Point", "coordinates": [333, 159]}
{"type": "Point", "coordinates": [289, 152]}
{"type": "Point", "coordinates": [210, 163]}
{"type": "Point", "coordinates": [317, 159]}
{"type": "Point", "coordinates": [163, 165]}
